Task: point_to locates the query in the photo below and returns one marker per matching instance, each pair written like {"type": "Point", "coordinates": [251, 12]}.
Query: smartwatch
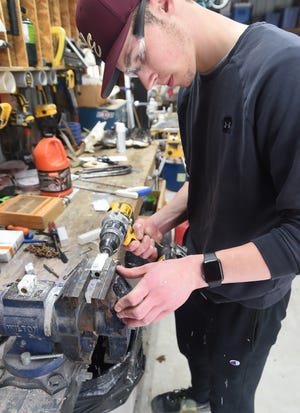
{"type": "Point", "coordinates": [212, 271]}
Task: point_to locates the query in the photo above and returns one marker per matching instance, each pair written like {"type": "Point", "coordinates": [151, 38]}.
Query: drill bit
{"type": "Point", "coordinates": [51, 270]}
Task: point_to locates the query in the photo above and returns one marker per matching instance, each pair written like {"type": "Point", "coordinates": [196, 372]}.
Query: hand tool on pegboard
{"type": "Point", "coordinates": [66, 85]}
{"type": "Point", "coordinates": [4, 44]}
{"type": "Point", "coordinates": [14, 29]}
{"type": "Point", "coordinates": [22, 117]}
{"type": "Point", "coordinates": [5, 111]}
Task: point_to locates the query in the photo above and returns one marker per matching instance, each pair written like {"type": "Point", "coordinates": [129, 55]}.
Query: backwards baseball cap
{"type": "Point", "coordinates": [104, 24]}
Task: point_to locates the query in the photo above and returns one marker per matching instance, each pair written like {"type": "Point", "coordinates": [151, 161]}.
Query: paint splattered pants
{"type": "Point", "coordinates": [226, 346]}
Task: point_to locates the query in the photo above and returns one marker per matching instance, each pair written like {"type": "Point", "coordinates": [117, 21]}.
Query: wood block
{"type": "Point", "coordinates": [44, 25]}
{"type": "Point", "coordinates": [31, 211]}
{"type": "Point", "coordinates": [65, 17]}
{"type": "Point", "coordinates": [54, 10]}
{"type": "Point", "coordinates": [72, 13]}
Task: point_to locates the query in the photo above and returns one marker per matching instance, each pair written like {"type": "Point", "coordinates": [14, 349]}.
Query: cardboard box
{"type": "Point", "coordinates": [114, 112]}
{"type": "Point", "coordinates": [89, 96]}
{"type": "Point", "coordinates": [10, 242]}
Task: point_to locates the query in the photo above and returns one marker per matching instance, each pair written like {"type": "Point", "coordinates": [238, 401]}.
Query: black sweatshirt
{"type": "Point", "coordinates": [240, 129]}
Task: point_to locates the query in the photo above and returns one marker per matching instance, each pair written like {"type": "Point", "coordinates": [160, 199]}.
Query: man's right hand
{"type": "Point", "coordinates": [147, 234]}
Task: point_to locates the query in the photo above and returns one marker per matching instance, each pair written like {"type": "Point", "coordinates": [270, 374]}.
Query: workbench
{"type": "Point", "coordinates": [80, 217]}
{"type": "Point", "coordinates": [53, 324]}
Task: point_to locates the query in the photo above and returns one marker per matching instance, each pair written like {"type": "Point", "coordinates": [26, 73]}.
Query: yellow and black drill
{"type": "Point", "coordinates": [116, 229]}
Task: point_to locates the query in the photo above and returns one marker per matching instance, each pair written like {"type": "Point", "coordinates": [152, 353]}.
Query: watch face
{"type": "Point", "coordinates": [213, 271]}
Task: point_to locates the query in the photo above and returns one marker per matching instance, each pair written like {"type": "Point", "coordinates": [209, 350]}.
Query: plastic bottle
{"type": "Point", "coordinates": [53, 167]}
{"type": "Point", "coordinates": [29, 37]}
{"type": "Point", "coordinates": [121, 136]}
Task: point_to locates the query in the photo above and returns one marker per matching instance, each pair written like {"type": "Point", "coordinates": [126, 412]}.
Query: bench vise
{"type": "Point", "coordinates": [56, 336]}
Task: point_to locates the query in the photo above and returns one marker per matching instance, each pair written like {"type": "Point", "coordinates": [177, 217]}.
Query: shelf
{"type": "Point", "coordinates": [29, 68]}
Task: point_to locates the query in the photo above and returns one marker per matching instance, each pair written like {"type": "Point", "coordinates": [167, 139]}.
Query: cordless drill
{"type": "Point", "coordinates": [116, 228]}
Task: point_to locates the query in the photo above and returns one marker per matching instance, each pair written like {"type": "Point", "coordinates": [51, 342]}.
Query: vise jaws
{"type": "Point", "coordinates": [56, 336]}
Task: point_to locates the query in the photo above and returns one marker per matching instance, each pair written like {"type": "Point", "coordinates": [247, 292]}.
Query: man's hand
{"type": "Point", "coordinates": [147, 233]}
{"type": "Point", "coordinates": [164, 287]}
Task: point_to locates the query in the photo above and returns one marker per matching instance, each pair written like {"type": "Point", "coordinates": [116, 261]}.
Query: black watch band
{"type": "Point", "coordinates": [212, 271]}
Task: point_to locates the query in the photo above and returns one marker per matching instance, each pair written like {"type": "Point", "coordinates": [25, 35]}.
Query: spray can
{"type": "Point", "coordinates": [53, 167]}
{"type": "Point", "coordinates": [121, 136]}
{"type": "Point", "coordinates": [29, 37]}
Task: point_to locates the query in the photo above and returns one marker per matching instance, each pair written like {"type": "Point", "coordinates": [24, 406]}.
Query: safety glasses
{"type": "Point", "coordinates": [139, 23]}
{"type": "Point", "coordinates": [136, 55]}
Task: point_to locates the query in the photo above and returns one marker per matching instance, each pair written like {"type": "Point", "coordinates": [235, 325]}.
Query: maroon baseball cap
{"type": "Point", "coordinates": [104, 24]}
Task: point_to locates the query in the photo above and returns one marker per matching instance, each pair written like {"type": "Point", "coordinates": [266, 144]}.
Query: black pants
{"type": "Point", "coordinates": [226, 346]}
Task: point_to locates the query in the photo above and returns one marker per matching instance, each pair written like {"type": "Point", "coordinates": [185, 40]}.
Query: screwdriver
{"type": "Point", "coordinates": [55, 238]}
{"type": "Point", "coordinates": [130, 192]}
{"type": "Point", "coordinates": [26, 231]}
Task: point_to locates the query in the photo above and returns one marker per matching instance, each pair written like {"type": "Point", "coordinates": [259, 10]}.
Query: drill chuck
{"type": "Point", "coordinates": [109, 243]}
{"type": "Point", "coordinates": [115, 226]}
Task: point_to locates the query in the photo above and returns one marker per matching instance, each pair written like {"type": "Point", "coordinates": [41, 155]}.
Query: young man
{"type": "Point", "coordinates": [239, 123]}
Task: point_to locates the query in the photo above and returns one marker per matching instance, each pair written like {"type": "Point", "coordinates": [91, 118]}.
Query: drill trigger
{"type": "Point", "coordinates": [130, 236]}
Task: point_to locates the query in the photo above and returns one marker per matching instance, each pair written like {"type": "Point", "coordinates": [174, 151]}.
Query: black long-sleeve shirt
{"type": "Point", "coordinates": [240, 129]}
